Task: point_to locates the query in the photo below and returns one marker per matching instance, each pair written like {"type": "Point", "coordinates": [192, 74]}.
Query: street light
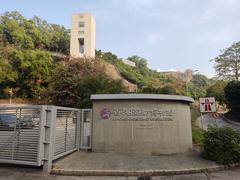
{"type": "Point", "coordinates": [10, 95]}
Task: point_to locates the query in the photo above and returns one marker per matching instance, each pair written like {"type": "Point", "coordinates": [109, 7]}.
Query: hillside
{"type": "Point", "coordinates": [112, 72]}
{"type": "Point", "coordinates": [140, 75]}
{"type": "Point", "coordinates": [35, 64]}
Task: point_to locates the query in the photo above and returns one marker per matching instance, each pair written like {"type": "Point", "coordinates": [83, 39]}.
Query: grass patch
{"type": "Point", "coordinates": [197, 133]}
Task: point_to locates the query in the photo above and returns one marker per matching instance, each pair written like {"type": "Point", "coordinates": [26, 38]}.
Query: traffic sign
{"type": "Point", "coordinates": [216, 115]}
{"type": "Point", "coordinates": [207, 104]}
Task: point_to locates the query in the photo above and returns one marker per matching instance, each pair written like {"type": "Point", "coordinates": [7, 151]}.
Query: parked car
{"type": "Point", "coordinates": [9, 121]}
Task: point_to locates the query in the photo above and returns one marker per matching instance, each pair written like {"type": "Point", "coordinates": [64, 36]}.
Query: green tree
{"type": "Point", "coordinates": [60, 39]}
{"type": "Point", "coordinates": [148, 90]}
{"type": "Point", "coordinates": [198, 85]}
{"type": "Point", "coordinates": [217, 91]}
{"type": "Point", "coordinates": [25, 63]}
{"type": "Point", "coordinates": [7, 77]}
{"type": "Point", "coordinates": [199, 80]}
{"type": "Point", "coordinates": [153, 90]}
{"type": "Point", "coordinates": [6, 72]}
{"type": "Point", "coordinates": [141, 63]}
{"type": "Point", "coordinates": [227, 65]}
{"type": "Point", "coordinates": [33, 33]}
{"type": "Point", "coordinates": [232, 94]}
{"type": "Point", "coordinates": [33, 68]}
{"type": "Point", "coordinates": [168, 90]}
{"type": "Point", "coordinates": [72, 84]}
{"type": "Point", "coordinates": [100, 84]}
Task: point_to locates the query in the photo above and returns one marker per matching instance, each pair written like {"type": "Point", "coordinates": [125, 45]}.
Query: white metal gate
{"type": "Point", "coordinates": [20, 135]}
{"type": "Point", "coordinates": [37, 135]}
{"type": "Point", "coordinates": [65, 131]}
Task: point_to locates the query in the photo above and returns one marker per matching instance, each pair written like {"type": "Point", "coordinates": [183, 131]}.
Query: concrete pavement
{"type": "Point", "coordinates": [12, 173]}
{"type": "Point", "coordinates": [115, 164]}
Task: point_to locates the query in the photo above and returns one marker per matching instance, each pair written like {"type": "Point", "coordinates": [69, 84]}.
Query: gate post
{"type": "Point", "coordinates": [84, 145]}
{"type": "Point", "coordinates": [49, 126]}
{"type": "Point", "coordinates": [78, 129]}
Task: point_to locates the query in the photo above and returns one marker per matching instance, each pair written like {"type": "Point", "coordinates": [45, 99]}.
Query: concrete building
{"type": "Point", "coordinates": [83, 35]}
{"type": "Point", "coordinates": [129, 63]}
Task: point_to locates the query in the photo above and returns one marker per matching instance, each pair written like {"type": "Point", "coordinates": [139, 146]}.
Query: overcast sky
{"type": "Point", "coordinates": [170, 34]}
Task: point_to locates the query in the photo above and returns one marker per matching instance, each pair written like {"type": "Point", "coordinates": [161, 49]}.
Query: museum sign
{"type": "Point", "coordinates": [137, 114]}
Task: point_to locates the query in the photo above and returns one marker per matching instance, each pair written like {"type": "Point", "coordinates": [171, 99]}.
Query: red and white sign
{"type": "Point", "coordinates": [207, 104]}
{"type": "Point", "coordinates": [216, 115]}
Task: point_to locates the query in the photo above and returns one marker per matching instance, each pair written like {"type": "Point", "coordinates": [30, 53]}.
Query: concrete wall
{"type": "Point", "coordinates": [89, 35]}
{"type": "Point", "coordinates": [146, 134]}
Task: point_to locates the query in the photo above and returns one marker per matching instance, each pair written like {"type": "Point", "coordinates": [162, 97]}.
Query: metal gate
{"type": "Point", "coordinates": [65, 131]}
{"type": "Point", "coordinates": [20, 135]}
{"type": "Point", "coordinates": [37, 135]}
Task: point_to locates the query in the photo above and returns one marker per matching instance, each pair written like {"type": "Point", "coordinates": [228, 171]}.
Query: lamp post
{"type": "Point", "coordinates": [10, 95]}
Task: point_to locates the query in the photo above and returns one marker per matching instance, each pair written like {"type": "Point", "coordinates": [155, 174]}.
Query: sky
{"type": "Point", "coordinates": [170, 34]}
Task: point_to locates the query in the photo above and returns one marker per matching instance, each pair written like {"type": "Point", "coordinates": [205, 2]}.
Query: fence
{"type": "Point", "coordinates": [37, 135]}
{"type": "Point", "coordinates": [20, 135]}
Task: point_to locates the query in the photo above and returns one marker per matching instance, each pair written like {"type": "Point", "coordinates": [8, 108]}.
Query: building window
{"type": "Point", "coordinates": [81, 24]}
{"type": "Point", "coordinates": [81, 45]}
{"type": "Point", "coordinates": [80, 32]}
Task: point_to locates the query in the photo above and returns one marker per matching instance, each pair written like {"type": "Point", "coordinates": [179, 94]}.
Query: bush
{"type": "Point", "coordinates": [221, 145]}
{"type": "Point", "coordinates": [232, 94]}
{"type": "Point", "coordinates": [168, 90]}
{"type": "Point", "coordinates": [164, 90]}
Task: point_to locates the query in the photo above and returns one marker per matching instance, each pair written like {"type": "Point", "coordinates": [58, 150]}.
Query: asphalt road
{"type": "Point", "coordinates": [207, 119]}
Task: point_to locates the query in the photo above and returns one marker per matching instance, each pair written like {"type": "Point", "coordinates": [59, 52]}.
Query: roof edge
{"type": "Point", "coordinates": [141, 97]}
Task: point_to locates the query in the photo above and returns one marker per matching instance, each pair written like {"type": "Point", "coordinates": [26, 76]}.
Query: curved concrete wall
{"type": "Point", "coordinates": [157, 125]}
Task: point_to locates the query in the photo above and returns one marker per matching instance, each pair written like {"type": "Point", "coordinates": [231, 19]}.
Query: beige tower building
{"type": "Point", "coordinates": [83, 35]}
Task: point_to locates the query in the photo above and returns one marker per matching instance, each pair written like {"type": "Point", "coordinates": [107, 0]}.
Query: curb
{"type": "Point", "coordinates": [69, 172]}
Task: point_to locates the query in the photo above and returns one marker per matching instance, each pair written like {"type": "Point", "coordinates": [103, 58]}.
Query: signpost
{"type": "Point", "coordinates": [207, 105]}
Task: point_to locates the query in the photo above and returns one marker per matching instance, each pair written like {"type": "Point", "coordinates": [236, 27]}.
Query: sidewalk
{"type": "Point", "coordinates": [113, 164]}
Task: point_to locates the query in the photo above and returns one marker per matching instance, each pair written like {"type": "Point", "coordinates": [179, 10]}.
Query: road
{"type": "Point", "coordinates": [11, 173]}
{"type": "Point", "coordinates": [208, 119]}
